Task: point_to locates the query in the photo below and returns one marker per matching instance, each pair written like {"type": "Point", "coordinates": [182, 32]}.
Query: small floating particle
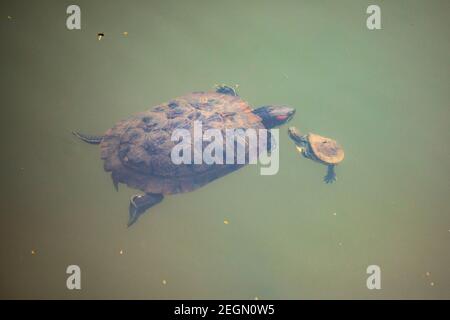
{"type": "Point", "coordinates": [33, 252]}
{"type": "Point", "coordinates": [125, 33]}
{"type": "Point", "coordinates": [100, 35]}
{"type": "Point", "coordinates": [121, 252]}
{"type": "Point", "coordinates": [340, 243]}
{"type": "Point", "coordinates": [256, 298]}
{"type": "Point", "coordinates": [164, 282]}
{"type": "Point", "coordinates": [334, 214]}
{"type": "Point", "coordinates": [427, 273]}
{"type": "Point", "coordinates": [432, 284]}
{"type": "Point", "coordinates": [9, 18]}
{"type": "Point", "coordinates": [226, 221]}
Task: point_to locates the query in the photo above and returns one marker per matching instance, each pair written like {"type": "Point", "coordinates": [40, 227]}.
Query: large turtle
{"type": "Point", "coordinates": [137, 151]}
{"type": "Point", "coordinates": [320, 149]}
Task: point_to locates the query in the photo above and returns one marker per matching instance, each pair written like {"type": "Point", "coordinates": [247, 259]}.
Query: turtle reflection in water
{"type": "Point", "coordinates": [319, 149]}
{"type": "Point", "coordinates": [137, 150]}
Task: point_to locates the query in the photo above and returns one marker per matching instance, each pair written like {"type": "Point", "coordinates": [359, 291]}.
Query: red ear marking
{"type": "Point", "coordinates": [281, 118]}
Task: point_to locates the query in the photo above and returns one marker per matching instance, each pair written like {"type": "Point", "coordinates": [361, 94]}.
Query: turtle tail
{"type": "Point", "coordinates": [87, 138]}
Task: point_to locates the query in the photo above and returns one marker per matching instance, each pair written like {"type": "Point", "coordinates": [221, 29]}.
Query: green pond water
{"type": "Point", "coordinates": [383, 94]}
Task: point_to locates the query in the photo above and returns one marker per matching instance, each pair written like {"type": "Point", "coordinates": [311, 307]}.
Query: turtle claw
{"type": "Point", "coordinates": [134, 213]}
{"type": "Point", "coordinates": [328, 179]}
{"type": "Point", "coordinates": [300, 150]}
{"type": "Point", "coordinates": [140, 203]}
{"type": "Point", "coordinates": [115, 180]}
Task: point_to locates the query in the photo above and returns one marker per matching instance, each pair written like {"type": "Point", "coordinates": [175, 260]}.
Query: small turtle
{"type": "Point", "coordinates": [320, 149]}
{"type": "Point", "coordinates": [137, 151]}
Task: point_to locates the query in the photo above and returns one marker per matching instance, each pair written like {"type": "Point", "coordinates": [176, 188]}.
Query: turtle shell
{"type": "Point", "coordinates": [326, 149]}
{"type": "Point", "coordinates": [137, 151]}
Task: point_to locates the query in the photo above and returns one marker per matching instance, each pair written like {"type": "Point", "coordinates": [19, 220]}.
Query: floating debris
{"type": "Point", "coordinates": [164, 282]}
{"type": "Point", "coordinates": [340, 243]}
{"type": "Point", "coordinates": [427, 274]}
{"type": "Point", "coordinates": [334, 214]}
{"type": "Point", "coordinates": [121, 252]}
{"type": "Point", "coordinates": [256, 298]}
{"type": "Point", "coordinates": [9, 18]}
{"type": "Point", "coordinates": [226, 221]}
{"type": "Point", "coordinates": [432, 284]}
{"type": "Point", "coordinates": [125, 33]}
{"type": "Point", "coordinates": [33, 252]}
{"type": "Point", "coordinates": [100, 35]}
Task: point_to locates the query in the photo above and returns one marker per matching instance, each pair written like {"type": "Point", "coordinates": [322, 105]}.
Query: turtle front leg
{"type": "Point", "coordinates": [303, 151]}
{"type": "Point", "coordinates": [330, 177]}
{"type": "Point", "coordinates": [140, 203]}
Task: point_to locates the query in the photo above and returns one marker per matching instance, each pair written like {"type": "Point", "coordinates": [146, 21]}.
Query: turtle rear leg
{"type": "Point", "coordinates": [140, 203]}
{"type": "Point", "coordinates": [224, 89]}
{"type": "Point", "coordinates": [87, 138]}
{"type": "Point", "coordinates": [330, 177]}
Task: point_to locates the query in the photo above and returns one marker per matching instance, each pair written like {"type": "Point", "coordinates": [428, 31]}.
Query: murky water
{"type": "Point", "coordinates": [382, 94]}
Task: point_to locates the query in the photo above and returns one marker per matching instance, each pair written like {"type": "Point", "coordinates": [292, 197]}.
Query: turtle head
{"type": "Point", "coordinates": [274, 116]}
{"type": "Point", "coordinates": [299, 139]}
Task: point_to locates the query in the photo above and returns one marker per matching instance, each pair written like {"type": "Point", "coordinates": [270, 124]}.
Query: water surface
{"type": "Point", "coordinates": [382, 94]}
